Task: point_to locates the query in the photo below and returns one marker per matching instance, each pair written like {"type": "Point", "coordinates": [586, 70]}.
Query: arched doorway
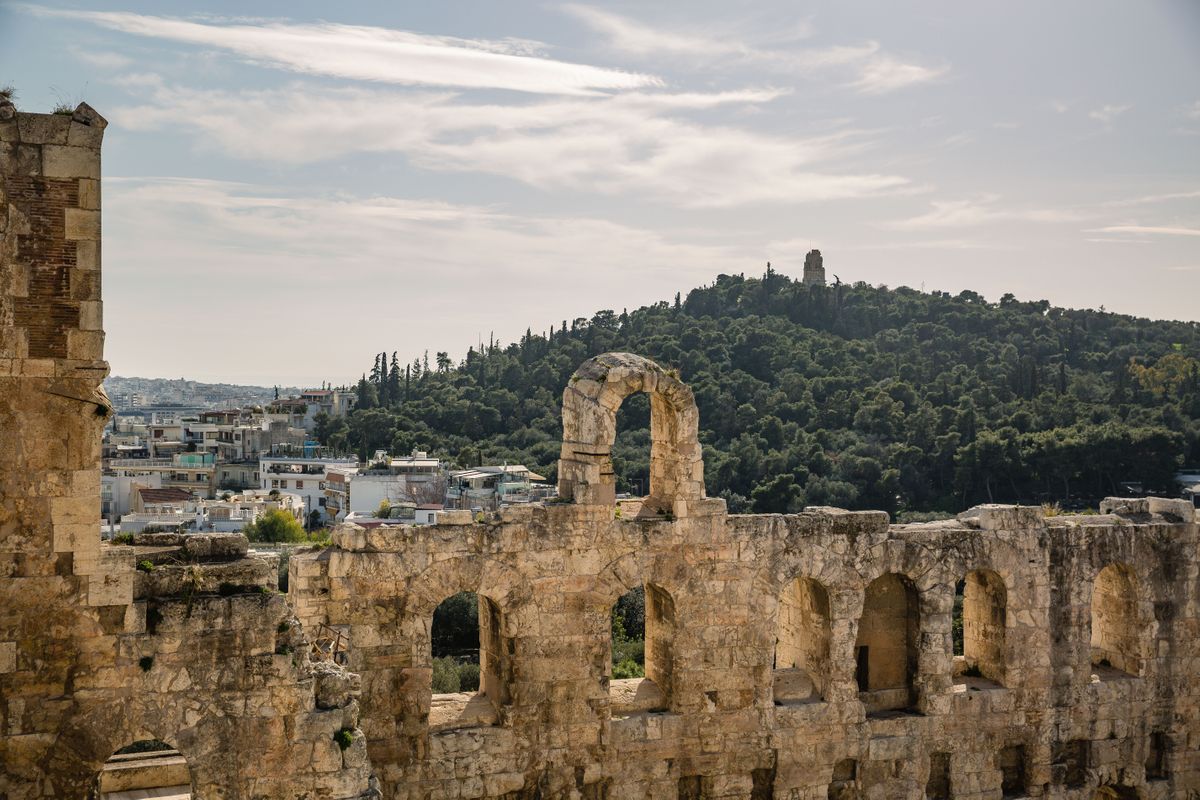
{"type": "Point", "coordinates": [980, 624]}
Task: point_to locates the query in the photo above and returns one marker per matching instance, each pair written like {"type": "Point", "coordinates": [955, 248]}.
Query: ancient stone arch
{"type": "Point", "coordinates": [984, 623]}
{"type": "Point", "coordinates": [590, 403]}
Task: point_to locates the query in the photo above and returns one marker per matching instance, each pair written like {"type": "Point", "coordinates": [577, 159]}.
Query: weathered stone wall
{"type": "Point", "coordinates": [1080, 675]}
{"type": "Point", "coordinates": [195, 649]}
{"type": "Point", "coordinates": [1040, 720]}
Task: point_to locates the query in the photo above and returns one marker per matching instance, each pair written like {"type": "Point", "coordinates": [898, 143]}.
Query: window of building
{"type": "Point", "coordinates": [643, 634]}
{"type": "Point", "coordinates": [802, 643]}
{"type": "Point", "coordinates": [470, 656]}
{"type": "Point", "coordinates": [886, 647]}
{"type": "Point", "coordinates": [1116, 625]}
{"type": "Point", "coordinates": [980, 622]}
{"type": "Point", "coordinates": [299, 484]}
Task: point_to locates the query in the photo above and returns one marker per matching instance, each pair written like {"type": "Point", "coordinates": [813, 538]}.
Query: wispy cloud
{"type": "Point", "coordinates": [980, 211]}
{"type": "Point", "coordinates": [376, 54]}
{"type": "Point", "coordinates": [871, 69]}
{"type": "Point", "coordinates": [1107, 113]}
{"type": "Point", "coordinates": [636, 142]}
{"type": "Point", "coordinates": [234, 244]}
{"type": "Point", "coordinates": [1155, 198]}
{"type": "Point", "coordinates": [1158, 230]}
{"type": "Point", "coordinates": [1192, 111]}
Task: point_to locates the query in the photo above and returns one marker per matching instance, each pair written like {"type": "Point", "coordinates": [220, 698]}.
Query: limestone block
{"type": "Point", "coordinates": [87, 255]}
{"type": "Point", "coordinates": [8, 657]}
{"type": "Point", "coordinates": [995, 517]}
{"type": "Point", "coordinates": [60, 161]}
{"type": "Point", "coordinates": [91, 315]}
{"type": "Point", "coordinates": [110, 589]}
{"type": "Point", "coordinates": [1174, 509]}
{"type": "Point", "coordinates": [82, 224]}
{"type": "Point", "coordinates": [205, 546]}
{"type": "Point", "coordinates": [89, 194]}
{"type": "Point", "coordinates": [334, 687]}
{"type": "Point", "coordinates": [85, 345]}
{"type": "Point", "coordinates": [1125, 506]}
{"type": "Point", "coordinates": [43, 128]}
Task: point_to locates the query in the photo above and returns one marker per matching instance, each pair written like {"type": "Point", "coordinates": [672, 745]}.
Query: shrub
{"type": "Point", "coordinates": [628, 669]}
{"type": "Point", "coordinates": [146, 662]}
{"type": "Point", "coordinates": [123, 538]}
{"type": "Point", "coordinates": [344, 738]}
{"type": "Point", "coordinates": [629, 650]}
{"type": "Point", "coordinates": [145, 565]}
{"type": "Point", "coordinates": [445, 675]}
{"type": "Point", "coordinates": [468, 677]}
{"type": "Point", "coordinates": [275, 525]}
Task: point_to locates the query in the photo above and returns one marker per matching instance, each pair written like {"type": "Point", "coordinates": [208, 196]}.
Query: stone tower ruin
{"type": "Point", "coordinates": [809, 656]}
{"type": "Point", "coordinates": [814, 269]}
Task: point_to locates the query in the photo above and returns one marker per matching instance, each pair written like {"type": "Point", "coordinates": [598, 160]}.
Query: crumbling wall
{"type": "Point", "coordinates": [733, 726]}
{"type": "Point", "coordinates": [180, 640]}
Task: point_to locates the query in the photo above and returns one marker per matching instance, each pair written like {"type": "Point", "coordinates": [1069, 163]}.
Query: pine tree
{"type": "Point", "coordinates": [394, 381]}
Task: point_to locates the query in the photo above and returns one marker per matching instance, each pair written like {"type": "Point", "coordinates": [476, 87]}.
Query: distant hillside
{"type": "Point", "coordinates": [855, 396]}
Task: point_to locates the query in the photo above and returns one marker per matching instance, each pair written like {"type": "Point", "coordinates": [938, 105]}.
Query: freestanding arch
{"type": "Point", "coordinates": [1117, 626]}
{"type": "Point", "coordinates": [590, 403]}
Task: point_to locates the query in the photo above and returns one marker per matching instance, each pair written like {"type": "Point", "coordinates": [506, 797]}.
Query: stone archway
{"type": "Point", "coordinates": [590, 403]}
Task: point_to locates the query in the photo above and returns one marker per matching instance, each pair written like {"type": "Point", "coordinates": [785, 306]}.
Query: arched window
{"type": "Point", "coordinates": [980, 622]}
{"type": "Point", "coordinates": [886, 647]}
{"type": "Point", "coordinates": [1116, 626]}
{"type": "Point", "coordinates": [643, 625]}
{"type": "Point", "coordinates": [470, 670]}
{"type": "Point", "coordinates": [146, 768]}
{"type": "Point", "coordinates": [802, 643]}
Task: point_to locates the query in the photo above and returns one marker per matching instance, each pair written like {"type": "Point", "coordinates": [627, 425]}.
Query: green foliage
{"type": "Point", "coordinates": [468, 677]}
{"type": "Point", "coordinates": [123, 538]}
{"type": "Point", "coordinates": [275, 525]}
{"type": "Point", "coordinates": [455, 630]}
{"type": "Point", "coordinates": [146, 663]}
{"type": "Point", "coordinates": [850, 395]}
{"type": "Point", "coordinates": [628, 634]}
{"type": "Point", "coordinates": [145, 565]}
{"type": "Point", "coordinates": [628, 668]}
{"type": "Point", "coordinates": [445, 675]}
{"type": "Point", "coordinates": [344, 738]}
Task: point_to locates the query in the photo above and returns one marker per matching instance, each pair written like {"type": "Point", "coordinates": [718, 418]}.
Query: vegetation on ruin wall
{"type": "Point", "coordinates": [850, 395]}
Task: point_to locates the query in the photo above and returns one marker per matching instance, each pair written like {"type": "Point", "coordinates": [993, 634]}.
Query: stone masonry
{"type": "Point", "coordinates": [799, 656]}
{"type": "Point", "coordinates": [181, 639]}
{"type": "Point", "coordinates": [810, 656]}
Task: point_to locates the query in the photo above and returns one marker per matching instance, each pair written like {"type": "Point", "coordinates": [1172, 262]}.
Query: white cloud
{"type": "Point", "coordinates": [1155, 198]}
{"type": "Point", "coordinates": [874, 71]}
{"type": "Point", "coordinates": [981, 211]}
{"type": "Point", "coordinates": [1163, 230]}
{"type": "Point", "coordinates": [1107, 113]}
{"type": "Point", "coordinates": [637, 142]}
{"type": "Point", "coordinates": [1192, 111]}
{"type": "Point", "coordinates": [426, 274]}
{"type": "Point", "coordinates": [377, 54]}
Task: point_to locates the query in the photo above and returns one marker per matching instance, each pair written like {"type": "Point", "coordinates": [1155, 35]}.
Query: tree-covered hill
{"type": "Point", "coordinates": [847, 395]}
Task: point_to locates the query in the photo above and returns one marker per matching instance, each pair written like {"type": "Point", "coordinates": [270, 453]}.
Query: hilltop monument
{"type": "Point", "coordinates": [814, 269]}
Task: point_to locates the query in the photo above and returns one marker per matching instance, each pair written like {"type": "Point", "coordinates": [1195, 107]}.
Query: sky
{"type": "Point", "coordinates": [290, 188]}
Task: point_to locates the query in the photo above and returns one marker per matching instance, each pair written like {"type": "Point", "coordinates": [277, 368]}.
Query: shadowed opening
{"type": "Point", "coordinates": [147, 768]}
{"type": "Point", "coordinates": [802, 643]}
{"type": "Point", "coordinates": [469, 675]}
{"type": "Point", "coordinates": [886, 647]}
{"type": "Point", "coordinates": [1116, 629]}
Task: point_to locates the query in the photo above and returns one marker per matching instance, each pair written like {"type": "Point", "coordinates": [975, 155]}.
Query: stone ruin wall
{"type": "Point", "coordinates": [95, 654]}
{"type": "Point", "coordinates": [1019, 715]}
{"type": "Point", "coordinates": [759, 686]}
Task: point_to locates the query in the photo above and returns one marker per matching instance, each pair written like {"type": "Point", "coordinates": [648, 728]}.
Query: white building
{"type": "Point", "coordinates": [416, 479]}
{"type": "Point", "coordinates": [303, 476]}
